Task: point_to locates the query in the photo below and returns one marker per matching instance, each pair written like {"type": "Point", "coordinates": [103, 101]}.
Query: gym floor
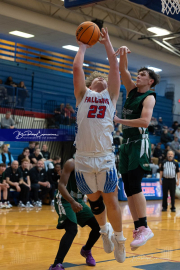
{"type": "Point", "coordinates": [29, 240]}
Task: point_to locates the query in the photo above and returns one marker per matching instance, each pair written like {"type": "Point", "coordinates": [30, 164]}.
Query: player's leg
{"type": "Point", "coordinates": [165, 194]}
{"type": "Point", "coordinates": [5, 195]}
{"type": "Point", "coordinates": [115, 218]}
{"type": "Point", "coordinates": [85, 217]}
{"type": "Point", "coordinates": [144, 232]}
{"type": "Point", "coordinates": [172, 187]}
{"type": "Point", "coordinates": [65, 244]}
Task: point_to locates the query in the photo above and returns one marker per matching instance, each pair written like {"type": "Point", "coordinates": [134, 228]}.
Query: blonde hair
{"type": "Point", "coordinates": [95, 75]}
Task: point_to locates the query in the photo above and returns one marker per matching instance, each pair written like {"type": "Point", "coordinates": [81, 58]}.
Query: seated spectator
{"type": "Point", "coordinates": [22, 95]}
{"type": "Point", "coordinates": [24, 168]}
{"type": "Point", "coordinates": [46, 156]}
{"type": "Point", "coordinates": [3, 187]}
{"type": "Point", "coordinates": [165, 137]}
{"type": "Point", "coordinates": [56, 159]}
{"type": "Point", "coordinates": [59, 114]}
{"type": "Point", "coordinates": [25, 155]}
{"type": "Point", "coordinates": [175, 146]}
{"type": "Point", "coordinates": [5, 156]}
{"type": "Point", "coordinates": [68, 114]}
{"type": "Point", "coordinates": [177, 133]}
{"type": "Point", "coordinates": [10, 82]}
{"type": "Point", "coordinates": [7, 122]}
{"type": "Point", "coordinates": [168, 148]}
{"type": "Point", "coordinates": [31, 147]}
{"type": "Point", "coordinates": [35, 157]}
{"type": "Point", "coordinates": [175, 126]}
{"type": "Point", "coordinates": [15, 180]}
{"type": "Point", "coordinates": [37, 146]}
{"type": "Point", "coordinates": [3, 94]}
{"type": "Point", "coordinates": [39, 180]}
{"type": "Point", "coordinates": [158, 152]}
{"type": "Point", "coordinates": [54, 175]}
{"type": "Point", "coordinates": [154, 160]}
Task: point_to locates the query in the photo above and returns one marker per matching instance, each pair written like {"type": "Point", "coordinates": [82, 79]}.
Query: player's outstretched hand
{"type": "Point", "coordinates": [122, 51]}
{"type": "Point", "coordinates": [104, 36]}
{"type": "Point", "coordinates": [76, 207]}
{"type": "Point", "coordinates": [83, 44]}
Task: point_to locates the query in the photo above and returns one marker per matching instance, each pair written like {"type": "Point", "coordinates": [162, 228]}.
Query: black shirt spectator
{"type": "Point", "coordinates": [165, 137]}
{"type": "Point", "coordinates": [37, 176]}
{"type": "Point", "coordinates": [54, 175]}
{"type": "Point", "coordinates": [25, 155]}
{"type": "Point", "coordinates": [157, 151]}
{"type": "Point", "coordinates": [10, 82]}
{"type": "Point", "coordinates": [14, 176]}
{"type": "Point", "coordinates": [35, 156]}
{"type": "Point", "coordinates": [31, 147]}
{"type": "Point", "coordinates": [175, 126]}
{"type": "Point", "coordinates": [25, 173]}
{"type": "Point", "coordinates": [44, 152]}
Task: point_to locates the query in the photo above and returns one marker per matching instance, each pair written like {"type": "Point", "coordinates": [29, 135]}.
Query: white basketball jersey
{"type": "Point", "coordinates": [94, 125]}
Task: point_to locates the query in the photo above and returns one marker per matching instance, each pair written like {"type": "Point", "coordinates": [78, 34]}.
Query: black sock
{"type": "Point", "coordinates": [143, 222]}
{"type": "Point", "coordinates": [136, 224]}
{"type": "Point", "coordinates": [5, 200]}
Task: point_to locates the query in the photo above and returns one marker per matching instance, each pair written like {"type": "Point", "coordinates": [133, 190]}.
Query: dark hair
{"type": "Point", "coordinates": [56, 158]}
{"type": "Point", "coordinates": [152, 75]}
{"type": "Point", "coordinates": [57, 164]}
{"type": "Point", "coordinates": [37, 143]}
{"type": "Point", "coordinates": [26, 148]}
{"type": "Point", "coordinates": [2, 165]}
{"type": "Point", "coordinates": [32, 142]}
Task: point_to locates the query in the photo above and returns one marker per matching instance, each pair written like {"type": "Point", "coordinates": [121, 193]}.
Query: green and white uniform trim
{"type": "Point", "coordinates": [64, 210]}
{"type": "Point", "coordinates": [136, 148]}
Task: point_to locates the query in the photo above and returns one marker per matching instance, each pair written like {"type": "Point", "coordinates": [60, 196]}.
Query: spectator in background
{"type": "Point", "coordinates": [24, 168]}
{"type": "Point", "coordinates": [117, 139]}
{"type": "Point", "coordinates": [59, 114]}
{"type": "Point", "coordinates": [175, 126]}
{"type": "Point", "coordinates": [158, 152]}
{"type": "Point", "coordinates": [3, 187]}
{"type": "Point", "coordinates": [177, 133]}
{"type": "Point", "coordinates": [15, 180]}
{"type": "Point", "coordinates": [22, 95]}
{"type": "Point", "coordinates": [56, 159]}
{"type": "Point", "coordinates": [31, 147]}
{"type": "Point", "coordinates": [5, 156]}
{"type": "Point", "coordinates": [165, 137]}
{"type": "Point", "coordinates": [46, 156]}
{"type": "Point", "coordinates": [39, 180]}
{"type": "Point", "coordinates": [175, 146]}
{"type": "Point", "coordinates": [154, 160]}
{"type": "Point", "coordinates": [7, 122]}
{"type": "Point", "coordinates": [10, 82]}
{"type": "Point", "coordinates": [35, 157]}
{"type": "Point", "coordinates": [25, 155]}
{"type": "Point", "coordinates": [3, 94]}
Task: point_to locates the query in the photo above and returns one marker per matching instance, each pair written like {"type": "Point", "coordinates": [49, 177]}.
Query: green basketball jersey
{"type": "Point", "coordinates": [132, 110]}
{"type": "Point", "coordinates": [72, 188]}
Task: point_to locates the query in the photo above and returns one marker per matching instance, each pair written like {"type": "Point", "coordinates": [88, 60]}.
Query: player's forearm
{"type": "Point", "coordinates": [123, 63]}
{"type": "Point", "coordinates": [79, 58]}
{"type": "Point", "coordinates": [65, 194]}
{"type": "Point", "coordinates": [140, 122]}
{"type": "Point", "coordinates": [111, 55]}
{"type": "Point", "coordinates": [161, 175]}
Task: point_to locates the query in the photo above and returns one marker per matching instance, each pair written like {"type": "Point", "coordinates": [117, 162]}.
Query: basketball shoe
{"type": "Point", "coordinates": [142, 235]}
{"type": "Point", "coordinates": [119, 251]}
{"type": "Point", "coordinates": [89, 258]}
{"type": "Point", "coordinates": [106, 237]}
{"type": "Point", "coordinates": [57, 267]}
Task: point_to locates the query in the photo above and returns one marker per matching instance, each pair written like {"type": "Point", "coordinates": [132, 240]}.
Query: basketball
{"type": "Point", "coordinates": [88, 33]}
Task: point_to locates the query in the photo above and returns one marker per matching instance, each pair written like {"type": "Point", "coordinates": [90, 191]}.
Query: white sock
{"type": "Point", "coordinates": [119, 236]}
{"type": "Point", "coordinates": [104, 228]}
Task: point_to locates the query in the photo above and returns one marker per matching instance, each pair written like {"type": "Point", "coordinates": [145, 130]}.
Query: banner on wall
{"type": "Point", "coordinates": [56, 135]}
{"type": "Point", "coordinates": [151, 189]}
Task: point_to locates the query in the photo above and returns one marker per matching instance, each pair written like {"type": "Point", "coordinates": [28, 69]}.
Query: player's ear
{"type": "Point", "coordinates": [151, 81]}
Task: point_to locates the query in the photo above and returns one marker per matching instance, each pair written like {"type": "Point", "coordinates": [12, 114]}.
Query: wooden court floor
{"type": "Point", "coordinates": [29, 240]}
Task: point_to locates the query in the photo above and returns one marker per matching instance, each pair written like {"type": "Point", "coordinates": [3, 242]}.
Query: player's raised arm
{"type": "Point", "coordinates": [123, 68]}
{"type": "Point", "coordinates": [78, 73]}
{"type": "Point", "coordinates": [145, 118]}
{"type": "Point", "coordinates": [113, 77]}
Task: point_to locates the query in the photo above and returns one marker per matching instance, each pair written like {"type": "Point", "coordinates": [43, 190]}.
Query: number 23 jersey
{"type": "Point", "coordinates": [94, 122]}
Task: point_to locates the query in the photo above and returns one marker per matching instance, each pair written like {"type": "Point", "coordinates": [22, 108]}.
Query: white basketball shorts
{"type": "Point", "coordinates": [96, 173]}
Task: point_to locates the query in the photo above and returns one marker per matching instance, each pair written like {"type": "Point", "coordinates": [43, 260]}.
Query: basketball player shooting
{"type": "Point", "coordinates": [135, 151]}
{"type": "Point", "coordinates": [95, 167]}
